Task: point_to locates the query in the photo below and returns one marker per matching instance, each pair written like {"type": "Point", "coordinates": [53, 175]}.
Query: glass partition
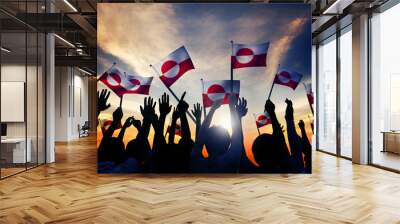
{"type": "Point", "coordinates": [327, 96]}
{"type": "Point", "coordinates": [346, 92]}
{"type": "Point", "coordinates": [22, 92]}
{"type": "Point", "coordinates": [385, 89]}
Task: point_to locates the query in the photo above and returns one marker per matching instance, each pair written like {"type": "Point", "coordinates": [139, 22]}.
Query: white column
{"type": "Point", "coordinates": [50, 92]}
{"type": "Point", "coordinates": [360, 90]}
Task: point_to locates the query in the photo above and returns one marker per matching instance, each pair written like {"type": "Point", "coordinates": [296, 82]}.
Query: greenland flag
{"type": "Point", "coordinates": [135, 84]}
{"type": "Point", "coordinates": [288, 78]}
{"type": "Point", "coordinates": [310, 94]}
{"type": "Point", "coordinates": [263, 119]}
{"type": "Point", "coordinates": [245, 55]}
{"type": "Point", "coordinates": [174, 66]}
{"type": "Point", "coordinates": [113, 78]}
{"type": "Point", "coordinates": [215, 90]}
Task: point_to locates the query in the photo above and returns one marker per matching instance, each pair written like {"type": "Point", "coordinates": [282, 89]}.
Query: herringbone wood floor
{"type": "Point", "coordinates": [70, 191]}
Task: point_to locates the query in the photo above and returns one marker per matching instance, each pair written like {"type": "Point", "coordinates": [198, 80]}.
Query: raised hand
{"type": "Point", "coordinates": [136, 123]}
{"type": "Point", "coordinates": [269, 107]}
{"type": "Point", "coordinates": [241, 107]}
{"type": "Point", "coordinates": [301, 124]}
{"type": "Point", "coordinates": [197, 109]}
{"type": "Point", "coordinates": [117, 115]}
{"type": "Point", "coordinates": [164, 105]}
{"type": "Point", "coordinates": [175, 114]}
{"type": "Point", "coordinates": [128, 122]}
{"type": "Point", "coordinates": [289, 109]}
{"type": "Point", "coordinates": [182, 105]}
{"type": "Point", "coordinates": [148, 109]}
{"type": "Point", "coordinates": [102, 98]}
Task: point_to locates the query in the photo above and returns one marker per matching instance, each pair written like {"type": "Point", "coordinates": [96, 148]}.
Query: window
{"type": "Point", "coordinates": [346, 92]}
{"type": "Point", "coordinates": [385, 89]}
{"type": "Point", "coordinates": [327, 96]}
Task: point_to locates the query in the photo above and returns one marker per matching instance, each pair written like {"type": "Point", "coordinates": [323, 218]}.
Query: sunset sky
{"type": "Point", "coordinates": [136, 35]}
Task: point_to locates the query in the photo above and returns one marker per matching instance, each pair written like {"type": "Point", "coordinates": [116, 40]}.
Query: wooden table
{"type": "Point", "coordinates": [391, 141]}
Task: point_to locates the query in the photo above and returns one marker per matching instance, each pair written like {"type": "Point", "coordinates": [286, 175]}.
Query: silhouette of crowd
{"type": "Point", "coordinates": [225, 152]}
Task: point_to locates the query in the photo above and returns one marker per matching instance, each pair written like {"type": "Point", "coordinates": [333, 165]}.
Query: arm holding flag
{"type": "Point", "coordinates": [182, 110]}
{"type": "Point", "coordinates": [293, 137]}
{"type": "Point", "coordinates": [171, 135]}
{"type": "Point", "coordinates": [197, 149]}
{"type": "Point", "coordinates": [117, 116]}
{"type": "Point", "coordinates": [277, 129]}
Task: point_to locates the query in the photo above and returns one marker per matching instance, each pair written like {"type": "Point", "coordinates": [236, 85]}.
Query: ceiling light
{"type": "Point", "coordinates": [84, 71]}
{"type": "Point", "coordinates": [5, 50]}
{"type": "Point", "coordinates": [64, 40]}
{"type": "Point", "coordinates": [70, 5]}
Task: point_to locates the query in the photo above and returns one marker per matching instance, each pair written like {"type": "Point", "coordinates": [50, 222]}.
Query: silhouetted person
{"type": "Point", "coordinates": [306, 147]}
{"type": "Point", "coordinates": [102, 98]}
{"type": "Point", "coordinates": [139, 148]}
{"type": "Point", "coordinates": [175, 158]}
{"type": "Point", "coordinates": [294, 140]}
{"type": "Point", "coordinates": [224, 152]}
{"type": "Point", "coordinates": [112, 149]}
{"type": "Point", "coordinates": [270, 150]}
{"type": "Point", "coordinates": [185, 145]}
{"type": "Point", "coordinates": [160, 152]}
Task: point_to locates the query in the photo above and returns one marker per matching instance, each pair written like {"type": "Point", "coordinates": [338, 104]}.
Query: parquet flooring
{"type": "Point", "coordinates": [70, 191]}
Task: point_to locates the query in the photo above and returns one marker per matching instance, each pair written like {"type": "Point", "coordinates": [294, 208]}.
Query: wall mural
{"type": "Point", "coordinates": [204, 88]}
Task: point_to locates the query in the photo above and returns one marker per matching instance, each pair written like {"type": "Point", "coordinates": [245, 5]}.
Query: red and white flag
{"type": "Point", "coordinates": [310, 94]}
{"type": "Point", "coordinates": [135, 84]}
{"type": "Point", "coordinates": [174, 66]}
{"type": "Point", "coordinates": [263, 119]}
{"type": "Point", "coordinates": [215, 90]}
{"type": "Point", "coordinates": [121, 84]}
{"type": "Point", "coordinates": [246, 55]}
{"type": "Point", "coordinates": [113, 78]}
{"type": "Point", "coordinates": [288, 78]}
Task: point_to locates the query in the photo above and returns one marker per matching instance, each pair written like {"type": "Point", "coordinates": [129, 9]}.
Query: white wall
{"type": "Point", "coordinates": [71, 102]}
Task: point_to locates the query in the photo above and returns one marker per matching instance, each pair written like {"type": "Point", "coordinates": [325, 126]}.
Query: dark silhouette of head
{"type": "Point", "coordinates": [217, 141]}
{"type": "Point", "coordinates": [111, 149]}
{"type": "Point", "coordinates": [138, 150]}
{"type": "Point", "coordinates": [266, 151]}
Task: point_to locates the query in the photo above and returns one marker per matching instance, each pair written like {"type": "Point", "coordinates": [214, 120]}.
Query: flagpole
{"type": "Point", "coordinates": [231, 68]}
{"type": "Point", "coordinates": [204, 108]}
{"type": "Point", "coordinates": [114, 63]}
{"type": "Point", "coordinates": [258, 129]}
{"type": "Point", "coordinates": [311, 108]}
{"type": "Point", "coordinates": [173, 94]}
{"type": "Point", "coordinates": [120, 101]}
{"type": "Point", "coordinates": [273, 82]}
{"type": "Point", "coordinates": [311, 124]}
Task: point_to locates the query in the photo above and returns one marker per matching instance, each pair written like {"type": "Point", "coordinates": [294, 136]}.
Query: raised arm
{"type": "Point", "coordinates": [306, 146]}
{"type": "Point", "coordinates": [171, 135]}
{"type": "Point", "coordinates": [238, 110]}
{"type": "Point", "coordinates": [117, 116]}
{"type": "Point", "coordinates": [294, 139]}
{"type": "Point", "coordinates": [197, 109]}
{"type": "Point", "coordinates": [128, 122]}
{"type": "Point", "coordinates": [149, 116]}
{"type": "Point", "coordinates": [198, 146]}
{"type": "Point", "coordinates": [182, 109]}
{"type": "Point", "coordinates": [164, 108]}
{"type": "Point", "coordinates": [102, 98]}
{"type": "Point", "coordinates": [277, 129]}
